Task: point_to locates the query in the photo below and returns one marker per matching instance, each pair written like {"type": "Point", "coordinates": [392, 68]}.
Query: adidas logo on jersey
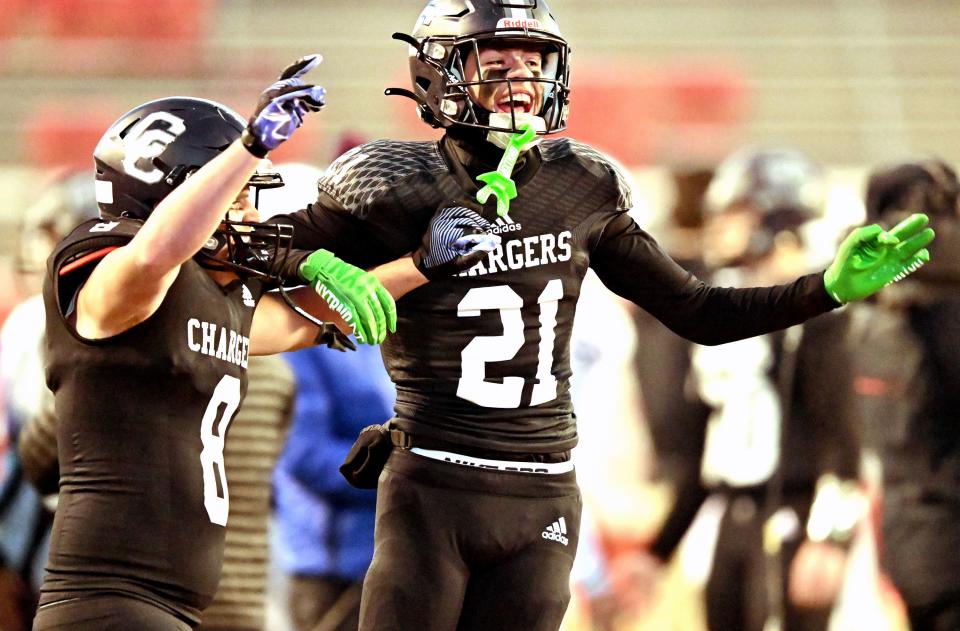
{"type": "Point", "coordinates": [105, 226]}
{"type": "Point", "coordinates": [505, 224]}
{"type": "Point", "coordinates": [247, 296]}
{"type": "Point", "coordinates": [557, 531]}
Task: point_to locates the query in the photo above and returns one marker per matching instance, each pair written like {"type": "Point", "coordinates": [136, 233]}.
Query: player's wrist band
{"type": "Point", "coordinates": [253, 144]}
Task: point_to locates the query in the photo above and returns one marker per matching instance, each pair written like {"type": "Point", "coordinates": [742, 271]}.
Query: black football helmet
{"type": "Point", "coordinates": [783, 186]}
{"type": "Point", "coordinates": [448, 30]}
{"type": "Point", "coordinates": [155, 147]}
{"type": "Point", "coordinates": [67, 202]}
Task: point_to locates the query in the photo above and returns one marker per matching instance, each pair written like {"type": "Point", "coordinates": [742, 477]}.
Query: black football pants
{"type": "Point", "coordinates": [738, 589]}
{"type": "Point", "coordinates": [465, 549]}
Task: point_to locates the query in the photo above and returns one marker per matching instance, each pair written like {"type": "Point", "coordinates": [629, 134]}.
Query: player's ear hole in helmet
{"type": "Point", "coordinates": [448, 31]}
{"type": "Point", "coordinates": [154, 148]}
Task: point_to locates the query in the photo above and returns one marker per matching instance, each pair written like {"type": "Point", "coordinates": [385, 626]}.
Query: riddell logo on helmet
{"type": "Point", "coordinates": [524, 23]}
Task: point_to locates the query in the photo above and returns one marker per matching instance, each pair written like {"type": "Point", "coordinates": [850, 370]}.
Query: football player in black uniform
{"type": "Point", "coordinates": [478, 510]}
{"type": "Point", "coordinates": [152, 313]}
{"type": "Point", "coordinates": [908, 390]}
{"type": "Point", "coordinates": [779, 446]}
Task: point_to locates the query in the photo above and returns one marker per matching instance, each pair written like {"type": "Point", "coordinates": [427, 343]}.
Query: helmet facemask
{"type": "Point", "coordinates": [250, 248]}
{"type": "Point", "coordinates": [451, 34]}
{"type": "Point", "coordinates": [467, 83]}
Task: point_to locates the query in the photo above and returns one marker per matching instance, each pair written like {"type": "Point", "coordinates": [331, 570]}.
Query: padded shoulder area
{"type": "Point", "coordinates": [365, 173]}
{"type": "Point", "coordinates": [555, 149]}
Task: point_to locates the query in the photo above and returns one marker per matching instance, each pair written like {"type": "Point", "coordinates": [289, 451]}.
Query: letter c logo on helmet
{"type": "Point", "coordinates": [152, 149]}
{"type": "Point", "coordinates": [146, 141]}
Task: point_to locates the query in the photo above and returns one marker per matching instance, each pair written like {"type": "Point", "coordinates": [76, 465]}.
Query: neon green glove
{"type": "Point", "coordinates": [357, 296]}
{"type": "Point", "coordinates": [870, 258]}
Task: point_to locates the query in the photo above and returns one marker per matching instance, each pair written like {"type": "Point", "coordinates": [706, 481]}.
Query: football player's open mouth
{"type": "Point", "coordinates": [520, 103]}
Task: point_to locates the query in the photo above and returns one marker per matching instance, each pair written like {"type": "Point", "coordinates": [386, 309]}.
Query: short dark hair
{"type": "Point", "coordinates": [927, 186]}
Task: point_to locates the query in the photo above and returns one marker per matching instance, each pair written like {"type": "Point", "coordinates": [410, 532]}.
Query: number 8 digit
{"type": "Point", "coordinates": [227, 394]}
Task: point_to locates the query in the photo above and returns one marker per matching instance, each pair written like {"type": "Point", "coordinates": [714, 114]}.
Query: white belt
{"type": "Point", "coordinates": [550, 468]}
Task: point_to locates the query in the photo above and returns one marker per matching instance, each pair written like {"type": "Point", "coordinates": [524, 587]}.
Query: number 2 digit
{"type": "Point", "coordinates": [494, 348]}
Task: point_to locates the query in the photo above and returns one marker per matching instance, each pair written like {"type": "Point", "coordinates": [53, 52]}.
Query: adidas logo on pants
{"type": "Point", "coordinates": [557, 531]}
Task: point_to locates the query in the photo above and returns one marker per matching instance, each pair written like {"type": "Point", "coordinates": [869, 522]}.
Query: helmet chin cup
{"type": "Point", "coordinates": [252, 249]}
{"type": "Point", "coordinates": [214, 244]}
{"type": "Point", "coordinates": [512, 122]}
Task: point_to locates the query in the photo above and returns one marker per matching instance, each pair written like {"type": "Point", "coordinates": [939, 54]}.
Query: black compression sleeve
{"type": "Point", "coordinates": [290, 269]}
{"type": "Point", "coordinates": [632, 264]}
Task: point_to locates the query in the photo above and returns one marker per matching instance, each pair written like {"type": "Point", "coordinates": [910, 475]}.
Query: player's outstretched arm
{"type": "Point", "coordinates": [870, 258]}
{"type": "Point", "coordinates": [355, 301]}
{"type": "Point", "coordinates": [129, 283]}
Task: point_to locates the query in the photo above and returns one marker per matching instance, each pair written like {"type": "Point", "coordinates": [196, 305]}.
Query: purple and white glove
{"type": "Point", "coordinates": [282, 106]}
{"type": "Point", "coordinates": [457, 238]}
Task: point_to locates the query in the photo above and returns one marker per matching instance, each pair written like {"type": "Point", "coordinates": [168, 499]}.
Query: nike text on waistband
{"type": "Point", "coordinates": [496, 465]}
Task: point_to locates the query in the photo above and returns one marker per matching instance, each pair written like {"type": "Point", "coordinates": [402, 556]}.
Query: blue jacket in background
{"type": "Point", "coordinates": [323, 526]}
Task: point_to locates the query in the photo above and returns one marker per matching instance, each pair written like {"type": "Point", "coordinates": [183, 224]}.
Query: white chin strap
{"type": "Point", "coordinates": [504, 119]}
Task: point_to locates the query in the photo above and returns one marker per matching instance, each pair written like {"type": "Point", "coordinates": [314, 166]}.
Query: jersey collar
{"type": "Point", "coordinates": [470, 157]}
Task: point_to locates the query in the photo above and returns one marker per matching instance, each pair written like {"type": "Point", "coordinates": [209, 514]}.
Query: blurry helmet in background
{"type": "Point", "coordinates": [926, 186]}
{"type": "Point", "coordinates": [155, 147]}
{"type": "Point", "coordinates": [781, 189]}
{"type": "Point", "coordinates": [448, 30]}
{"type": "Point", "coordinates": [67, 202]}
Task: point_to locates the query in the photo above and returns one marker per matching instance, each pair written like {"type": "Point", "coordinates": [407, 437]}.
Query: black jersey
{"type": "Point", "coordinates": [482, 359]}
{"type": "Point", "coordinates": [908, 388]}
{"type": "Point", "coordinates": [142, 420]}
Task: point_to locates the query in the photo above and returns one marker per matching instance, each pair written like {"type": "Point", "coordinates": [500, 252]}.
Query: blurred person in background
{"type": "Point", "coordinates": [673, 411]}
{"type": "Point", "coordinates": [323, 538]}
{"type": "Point", "coordinates": [609, 455]}
{"type": "Point", "coordinates": [907, 367]}
{"type": "Point", "coordinates": [675, 418]}
{"type": "Point", "coordinates": [481, 358]}
{"type": "Point", "coordinates": [24, 518]}
{"type": "Point", "coordinates": [68, 202]}
{"type": "Point", "coordinates": [779, 444]}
